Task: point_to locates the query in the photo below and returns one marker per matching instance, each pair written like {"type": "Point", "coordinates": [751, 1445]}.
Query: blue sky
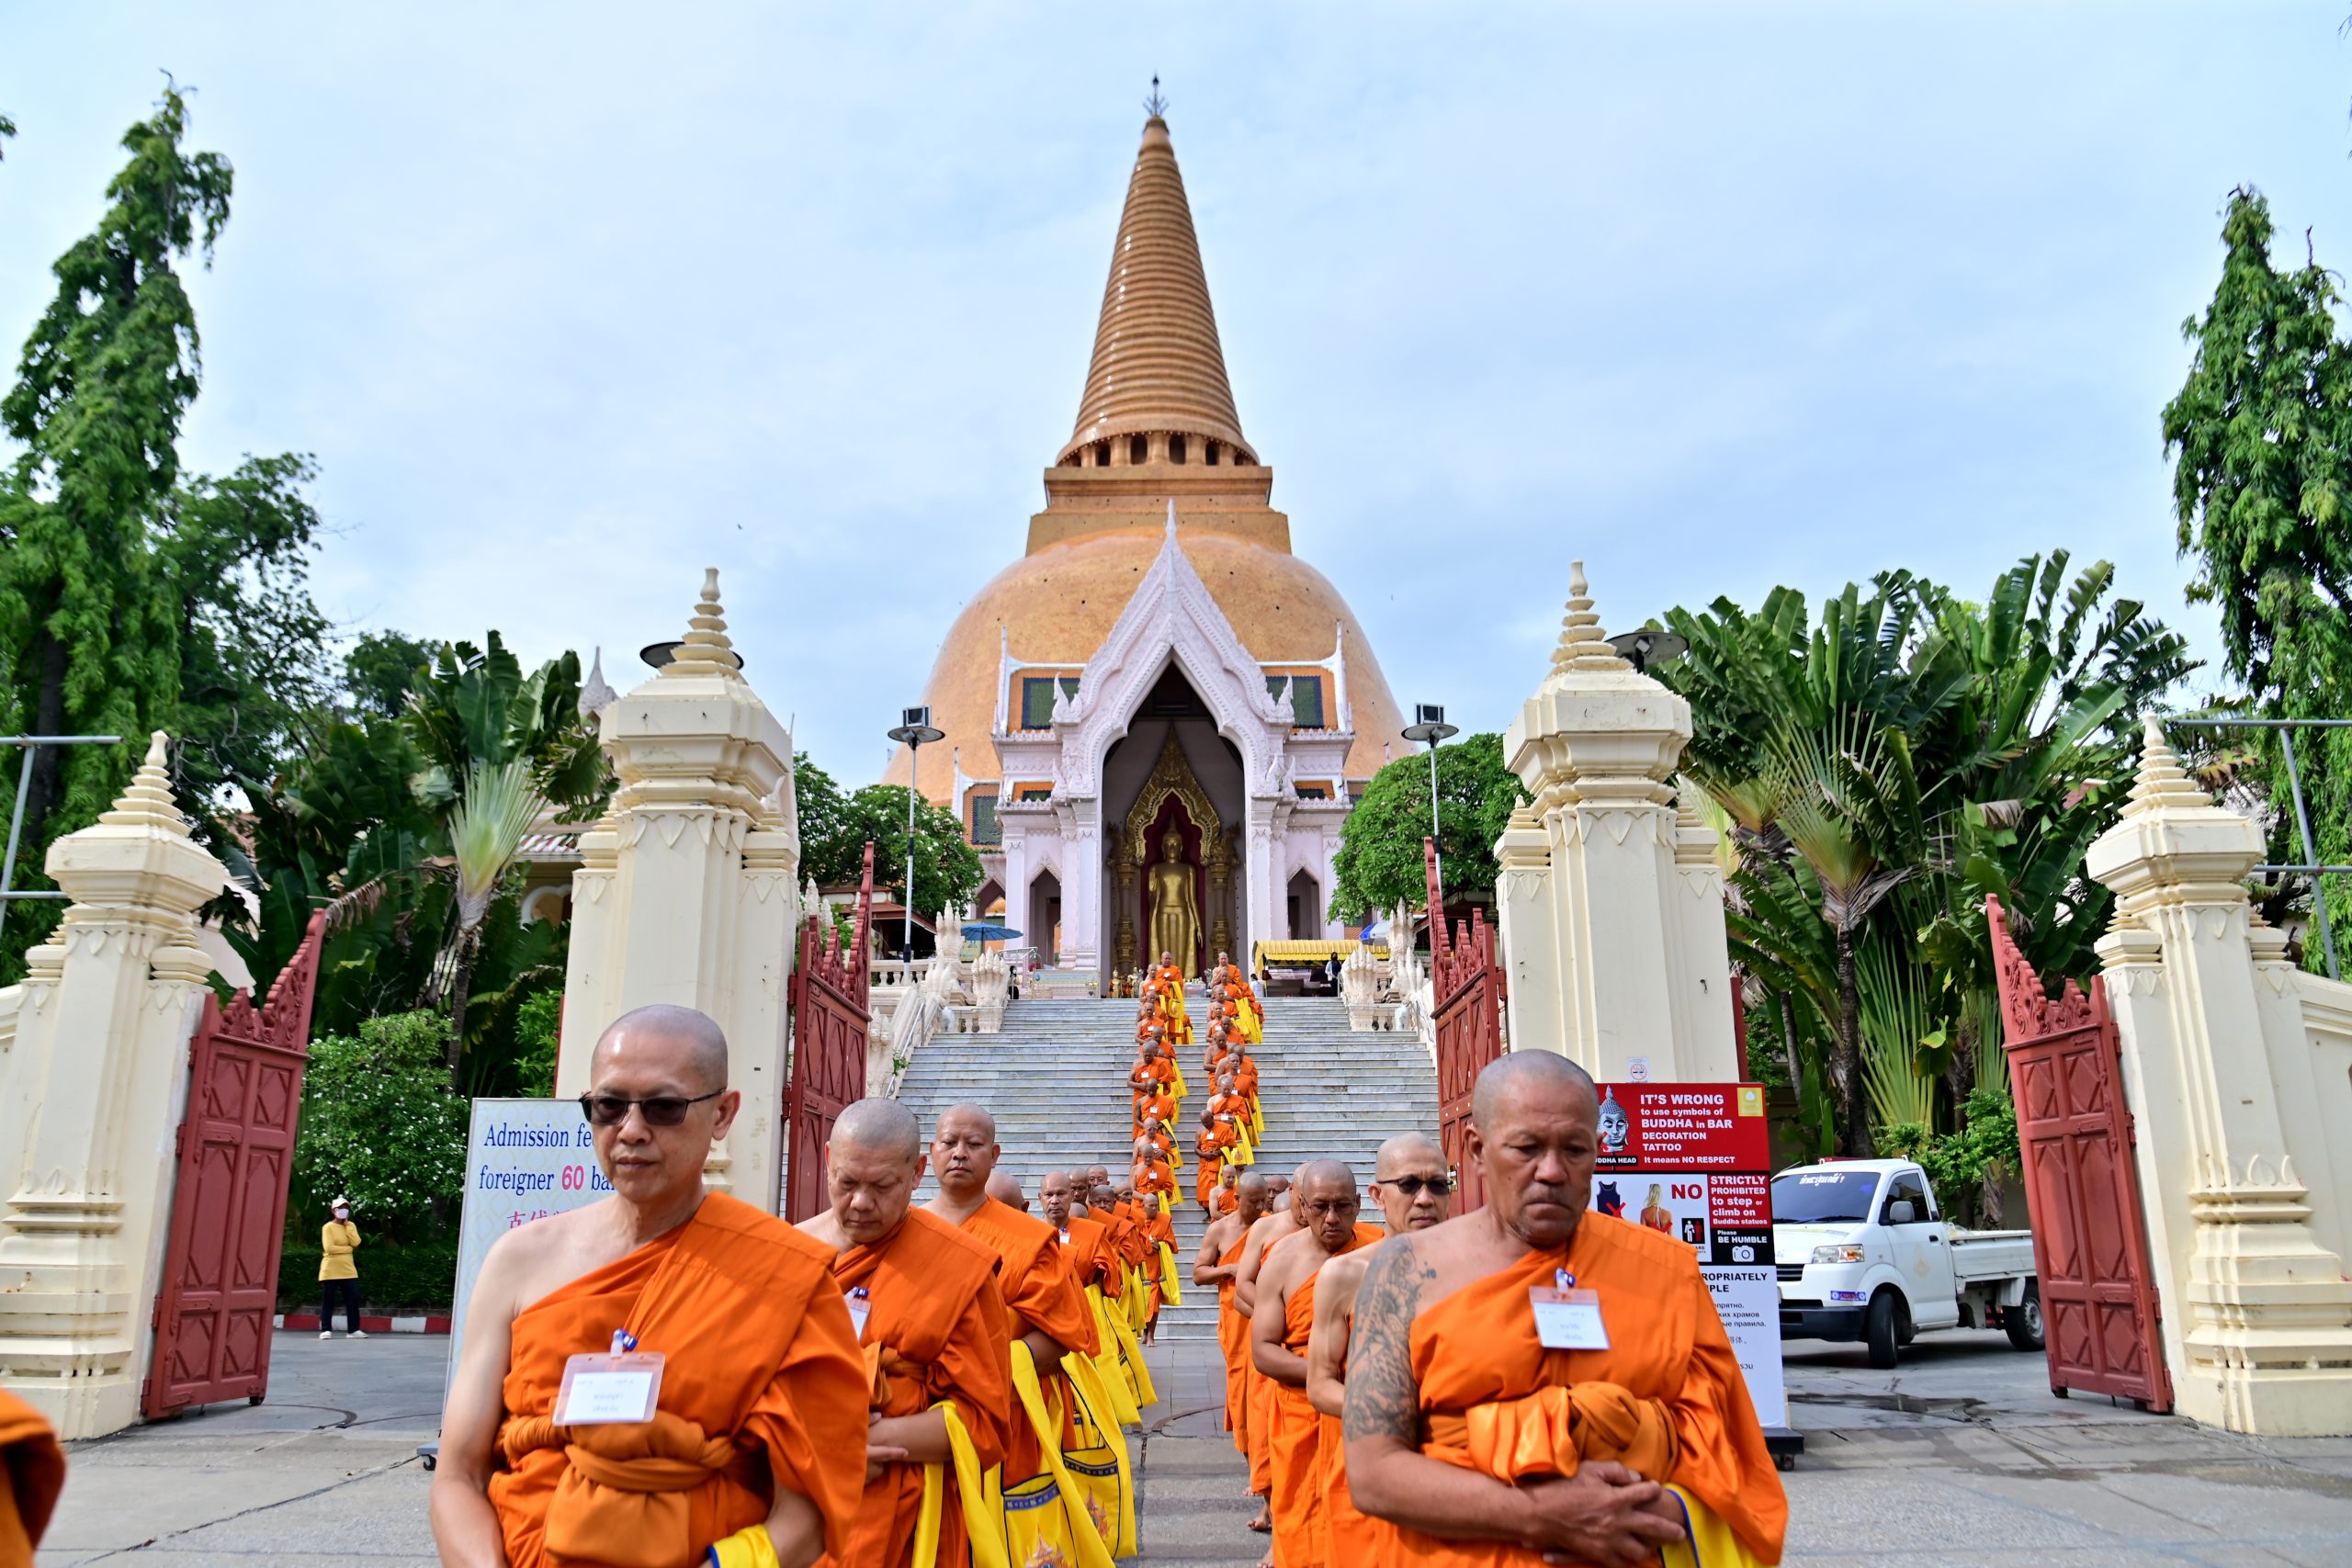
{"type": "Point", "coordinates": [571, 300]}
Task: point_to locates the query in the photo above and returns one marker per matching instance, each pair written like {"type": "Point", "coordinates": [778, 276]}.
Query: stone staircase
{"type": "Point", "coordinates": [1056, 1081]}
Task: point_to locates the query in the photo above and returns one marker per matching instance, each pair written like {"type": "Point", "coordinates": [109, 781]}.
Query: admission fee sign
{"type": "Point", "coordinates": [1693, 1161]}
{"type": "Point", "coordinates": [525, 1159]}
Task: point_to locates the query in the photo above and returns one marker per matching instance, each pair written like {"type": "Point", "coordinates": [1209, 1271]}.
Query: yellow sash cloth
{"type": "Point", "coordinates": [1168, 1289]}
{"type": "Point", "coordinates": [1708, 1541]}
{"type": "Point", "coordinates": [1044, 1517]}
{"type": "Point", "coordinates": [983, 1523]}
{"type": "Point", "coordinates": [1110, 1363]}
{"type": "Point", "coordinates": [1100, 1461]}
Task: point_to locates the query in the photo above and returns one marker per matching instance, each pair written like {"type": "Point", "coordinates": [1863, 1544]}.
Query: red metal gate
{"type": "Point", "coordinates": [2090, 1246]}
{"type": "Point", "coordinates": [829, 1019]}
{"type": "Point", "coordinates": [235, 1151]}
{"type": "Point", "coordinates": [1467, 988]}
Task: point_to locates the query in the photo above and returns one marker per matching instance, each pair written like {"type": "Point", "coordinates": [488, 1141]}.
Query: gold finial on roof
{"type": "Point", "coordinates": [1155, 106]}
{"type": "Point", "coordinates": [146, 802]}
{"type": "Point", "coordinates": [1583, 645]}
{"type": "Point", "coordinates": [706, 648]}
{"type": "Point", "coordinates": [2162, 782]}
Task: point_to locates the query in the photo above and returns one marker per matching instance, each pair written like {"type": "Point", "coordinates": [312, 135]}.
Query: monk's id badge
{"type": "Point", "coordinates": [1567, 1319]}
{"type": "Point", "coordinates": [859, 1304]}
{"type": "Point", "coordinates": [601, 1390]}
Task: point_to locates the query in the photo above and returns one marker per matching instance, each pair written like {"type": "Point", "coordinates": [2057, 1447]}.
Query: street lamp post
{"type": "Point", "coordinates": [1428, 726]}
{"type": "Point", "coordinates": [914, 732]}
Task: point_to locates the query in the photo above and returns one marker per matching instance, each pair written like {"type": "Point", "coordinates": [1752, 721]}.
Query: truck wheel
{"type": "Point", "coordinates": [2023, 1321]}
{"type": "Point", "coordinates": [1882, 1329]}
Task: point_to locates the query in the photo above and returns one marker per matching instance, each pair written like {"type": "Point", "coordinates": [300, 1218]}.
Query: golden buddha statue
{"type": "Point", "coordinates": [1175, 912]}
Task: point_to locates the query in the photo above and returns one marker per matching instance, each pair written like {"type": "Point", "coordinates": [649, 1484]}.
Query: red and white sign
{"type": "Point", "coordinates": [1693, 1161]}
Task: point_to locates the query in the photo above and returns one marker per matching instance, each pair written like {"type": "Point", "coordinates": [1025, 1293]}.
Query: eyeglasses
{"type": "Point", "coordinates": [1411, 1185]}
{"type": "Point", "coordinates": [659, 1111]}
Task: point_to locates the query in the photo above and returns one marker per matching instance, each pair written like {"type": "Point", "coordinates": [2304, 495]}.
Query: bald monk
{"type": "Point", "coordinates": [1228, 1197]}
{"type": "Point", "coordinates": [1084, 1240]}
{"type": "Point", "coordinates": [1486, 1448]}
{"type": "Point", "coordinates": [1273, 1226]}
{"type": "Point", "coordinates": [760, 1424]}
{"type": "Point", "coordinates": [1154, 1132]}
{"type": "Point", "coordinates": [1220, 1250]}
{"type": "Point", "coordinates": [1152, 1174]}
{"type": "Point", "coordinates": [1007, 1192]}
{"type": "Point", "coordinates": [1211, 1143]}
{"type": "Point", "coordinates": [934, 1332]}
{"type": "Point", "coordinates": [1045, 1306]}
{"type": "Point", "coordinates": [1327, 1205]}
{"type": "Point", "coordinates": [1410, 1185]}
{"type": "Point", "coordinates": [1158, 1106]}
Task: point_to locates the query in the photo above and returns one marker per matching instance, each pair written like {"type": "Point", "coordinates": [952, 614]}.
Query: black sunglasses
{"type": "Point", "coordinates": [659, 1111]}
{"type": "Point", "coordinates": [1410, 1186]}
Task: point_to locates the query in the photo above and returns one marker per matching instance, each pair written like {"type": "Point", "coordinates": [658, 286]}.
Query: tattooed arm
{"type": "Point", "coordinates": [1599, 1517]}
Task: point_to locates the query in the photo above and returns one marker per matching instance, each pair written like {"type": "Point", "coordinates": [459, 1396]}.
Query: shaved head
{"type": "Point", "coordinates": [1534, 1135]}
{"type": "Point", "coordinates": [705, 1043]}
{"type": "Point", "coordinates": [1416, 1146]}
{"type": "Point", "coordinates": [969, 1114]}
{"type": "Point", "coordinates": [1006, 1190]}
{"type": "Point", "coordinates": [1319, 1173]}
{"type": "Point", "coordinates": [1509, 1079]}
{"type": "Point", "coordinates": [878, 1126]}
{"type": "Point", "coordinates": [1325, 1202]}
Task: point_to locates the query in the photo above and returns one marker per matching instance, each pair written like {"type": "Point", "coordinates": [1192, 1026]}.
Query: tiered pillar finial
{"type": "Point", "coordinates": [1583, 645]}
{"type": "Point", "coordinates": [146, 801]}
{"type": "Point", "coordinates": [707, 649]}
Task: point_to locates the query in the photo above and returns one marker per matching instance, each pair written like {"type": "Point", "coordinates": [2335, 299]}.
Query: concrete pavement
{"type": "Point", "coordinates": [1959, 1457]}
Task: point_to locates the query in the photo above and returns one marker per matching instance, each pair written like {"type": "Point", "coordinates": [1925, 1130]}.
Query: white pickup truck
{"type": "Point", "coordinates": [1863, 1255]}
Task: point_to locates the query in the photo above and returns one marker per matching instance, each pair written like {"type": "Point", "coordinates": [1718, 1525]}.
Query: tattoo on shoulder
{"type": "Point", "coordinates": [1382, 1400]}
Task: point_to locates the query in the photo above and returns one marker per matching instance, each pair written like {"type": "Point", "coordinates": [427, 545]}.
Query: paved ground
{"type": "Point", "coordinates": [1959, 1456]}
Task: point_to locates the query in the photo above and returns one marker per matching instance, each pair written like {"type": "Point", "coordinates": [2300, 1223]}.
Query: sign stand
{"type": "Point", "coordinates": [1693, 1160]}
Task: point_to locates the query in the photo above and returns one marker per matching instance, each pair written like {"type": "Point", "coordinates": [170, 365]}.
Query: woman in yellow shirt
{"type": "Point", "coordinates": [338, 1275]}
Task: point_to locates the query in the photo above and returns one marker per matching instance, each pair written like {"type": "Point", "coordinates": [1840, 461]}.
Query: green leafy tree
{"type": "Point", "coordinates": [87, 621]}
{"type": "Point", "coordinates": [1882, 771]}
{"type": "Point", "coordinates": [2261, 436]}
{"type": "Point", "coordinates": [1380, 861]}
{"type": "Point", "coordinates": [132, 598]}
{"type": "Point", "coordinates": [381, 1125]}
{"type": "Point", "coordinates": [836, 827]}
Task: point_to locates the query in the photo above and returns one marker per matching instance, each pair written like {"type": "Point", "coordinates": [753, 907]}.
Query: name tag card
{"type": "Point", "coordinates": [1567, 1320]}
{"type": "Point", "coordinates": [859, 1306]}
{"type": "Point", "coordinates": [603, 1390]}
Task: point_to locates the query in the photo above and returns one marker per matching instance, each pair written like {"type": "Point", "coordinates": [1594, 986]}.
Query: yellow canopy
{"type": "Point", "coordinates": [1290, 954]}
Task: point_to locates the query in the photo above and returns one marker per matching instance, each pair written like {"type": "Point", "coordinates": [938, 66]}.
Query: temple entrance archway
{"type": "Point", "coordinates": [1304, 903]}
{"type": "Point", "coordinates": [1044, 932]}
{"type": "Point", "coordinates": [1171, 770]}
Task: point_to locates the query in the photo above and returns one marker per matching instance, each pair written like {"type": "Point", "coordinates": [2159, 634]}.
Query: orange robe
{"type": "Point", "coordinates": [762, 1386]}
{"type": "Point", "coordinates": [1042, 1295]}
{"type": "Point", "coordinates": [1233, 1339]}
{"type": "Point", "coordinates": [1211, 1146]}
{"type": "Point", "coordinates": [1245, 1077]}
{"type": "Point", "coordinates": [1227, 1201]}
{"type": "Point", "coordinates": [1157, 1178]}
{"type": "Point", "coordinates": [1492, 1398]}
{"type": "Point", "coordinates": [1158, 1103]}
{"type": "Point", "coordinates": [935, 1330]}
{"type": "Point", "coordinates": [35, 1474]}
{"type": "Point", "coordinates": [1158, 1233]}
{"type": "Point", "coordinates": [1093, 1260]}
{"type": "Point", "coordinates": [1355, 1537]}
{"type": "Point", "coordinates": [1295, 1435]}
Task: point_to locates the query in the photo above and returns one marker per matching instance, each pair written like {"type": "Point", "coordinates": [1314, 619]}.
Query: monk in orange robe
{"type": "Point", "coordinates": [1274, 1225]}
{"type": "Point", "coordinates": [1159, 1237]}
{"type": "Point", "coordinates": [1221, 1245]}
{"type": "Point", "coordinates": [1486, 1448]}
{"type": "Point", "coordinates": [935, 1333]}
{"type": "Point", "coordinates": [1327, 1204]}
{"type": "Point", "coordinates": [1410, 1185]}
{"type": "Point", "coordinates": [1245, 1074]}
{"type": "Point", "coordinates": [1085, 1241]}
{"type": "Point", "coordinates": [35, 1474]}
{"type": "Point", "coordinates": [1045, 1306]}
{"type": "Point", "coordinates": [1210, 1145]}
{"type": "Point", "coordinates": [1154, 1135]}
{"type": "Point", "coordinates": [759, 1424]}
{"type": "Point", "coordinates": [1158, 1106]}
{"type": "Point", "coordinates": [1153, 1175]}
{"type": "Point", "coordinates": [1229, 1195]}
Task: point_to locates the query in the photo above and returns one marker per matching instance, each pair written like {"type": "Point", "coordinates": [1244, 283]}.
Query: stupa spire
{"type": "Point", "coordinates": [1158, 365]}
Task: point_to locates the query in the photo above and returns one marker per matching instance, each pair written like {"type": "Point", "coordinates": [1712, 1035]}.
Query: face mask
{"type": "Point", "coordinates": [343, 1213]}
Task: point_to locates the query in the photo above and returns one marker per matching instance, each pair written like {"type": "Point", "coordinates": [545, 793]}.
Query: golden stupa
{"type": "Point", "coordinates": [1157, 425]}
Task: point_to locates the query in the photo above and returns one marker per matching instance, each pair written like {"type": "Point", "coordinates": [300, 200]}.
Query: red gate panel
{"type": "Point", "coordinates": [235, 1150]}
{"type": "Point", "coordinates": [2090, 1248]}
{"type": "Point", "coordinates": [1467, 985]}
{"type": "Point", "coordinates": [828, 1069]}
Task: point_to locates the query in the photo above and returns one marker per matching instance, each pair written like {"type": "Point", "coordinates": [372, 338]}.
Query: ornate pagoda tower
{"type": "Point", "coordinates": [1158, 662]}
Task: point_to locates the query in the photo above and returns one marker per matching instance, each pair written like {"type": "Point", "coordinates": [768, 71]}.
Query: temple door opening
{"type": "Point", "coordinates": [1045, 931]}
{"type": "Point", "coordinates": [1306, 908]}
